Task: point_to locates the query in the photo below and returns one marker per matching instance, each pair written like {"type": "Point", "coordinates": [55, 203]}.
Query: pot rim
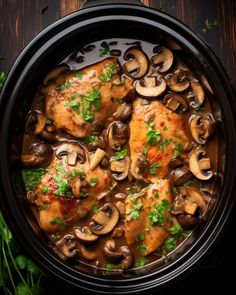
{"type": "Point", "coordinates": [211, 231]}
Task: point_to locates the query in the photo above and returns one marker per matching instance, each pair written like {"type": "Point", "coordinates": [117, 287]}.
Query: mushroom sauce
{"type": "Point", "coordinates": [119, 152]}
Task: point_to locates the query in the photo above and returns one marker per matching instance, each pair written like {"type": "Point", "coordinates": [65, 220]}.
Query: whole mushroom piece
{"type": "Point", "coordinates": [121, 168]}
{"type": "Point", "coordinates": [39, 154]}
{"type": "Point", "coordinates": [175, 102]}
{"type": "Point", "coordinates": [164, 59]}
{"type": "Point", "coordinates": [68, 246]}
{"type": "Point", "coordinates": [200, 166]}
{"type": "Point", "coordinates": [105, 219]}
{"type": "Point", "coordinates": [118, 134]}
{"type": "Point", "coordinates": [35, 123]}
{"type": "Point", "coordinates": [202, 127]}
{"type": "Point", "coordinates": [151, 88]}
{"type": "Point", "coordinates": [176, 82]}
{"type": "Point", "coordinates": [73, 151]}
{"type": "Point", "coordinates": [196, 94]}
{"type": "Point", "coordinates": [139, 166]}
{"type": "Point", "coordinates": [137, 67]}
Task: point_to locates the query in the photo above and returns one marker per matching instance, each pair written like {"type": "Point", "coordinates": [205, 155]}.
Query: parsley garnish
{"type": "Point", "coordinates": [176, 229]}
{"type": "Point", "coordinates": [140, 262]}
{"type": "Point", "coordinates": [44, 189]}
{"type": "Point", "coordinates": [157, 215]}
{"type": "Point", "coordinates": [143, 248]}
{"type": "Point", "coordinates": [109, 266]}
{"type": "Point", "coordinates": [105, 48]}
{"type": "Point", "coordinates": [63, 86]}
{"type": "Point", "coordinates": [135, 212]}
{"type": "Point", "coordinates": [119, 155]}
{"type": "Point", "coordinates": [32, 177]}
{"type": "Point", "coordinates": [60, 169]}
{"type": "Point", "coordinates": [93, 181]}
{"type": "Point", "coordinates": [45, 206]}
{"type": "Point", "coordinates": [93, 98]}
{"type": "Point", "coordinates": [76, 172]}
{"type": "Point", "coordinates": [153, 168]}
{"type": "Point", "coordinates": [56, 221]}
{"type": "Point", "coordinates": [110, 72]}
{"type": "Point", "coordinates": [190, 181]}
{"type": "Point", "coordinates": [169, 245]}
{"type": "Point", "coordinates": [74, 105]}
{"type": "Point", "coordinates": [63, 185]}
{"type": "Point", "coordinates": [95, 208]}
{"type": "Point", "coordinates": [78, 74]}
{"type": "Point", "coordinates": [153, 136]}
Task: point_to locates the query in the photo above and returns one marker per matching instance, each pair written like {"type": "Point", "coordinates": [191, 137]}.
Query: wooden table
{"type": "Point", "coordinates": [21, 20]}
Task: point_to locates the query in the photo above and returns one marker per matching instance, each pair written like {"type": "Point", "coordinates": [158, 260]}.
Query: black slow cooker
{"type": "Point", "coordinates": [49, 48]}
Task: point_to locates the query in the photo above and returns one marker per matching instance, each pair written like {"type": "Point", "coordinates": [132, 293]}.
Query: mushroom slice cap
{"type": "Point", "coordinates": [85, 235]}
{"type": "Point", "coordinates": [118, 134]}
{"type": "Point", "coordinates": [35, 123]}
{"type": "Point", "coordinates": [197, 165]}
{"type": "Point", "coordinates": [128, 257]}
{"type": "Point", "coordinates": [194, 200]}
{"type": "Point", "coordinates": [122, 167]}
{"type": "Point", "coordinates": [139, 63]}
{"type": "Point", "coordinates": [177, 84]}
{"type": "Point", "coordinates": [105, 219]}
{"type": "Point", "coordinates": [139, 166]}
{"type": "Point", "coordinates": [73, 151]}
{"type": "Point", "coordinates": [201, 127]}
{"type": "Point", "coordinates": [68, 246]}
{"type": "Point", "coordinates": [164, 59]}
{"type": "Point", "coordinates": [175, 101]}
{"type": "Point", "coordinates": [109, 251]}
{"type": "Point", "coordinates": [197, 94]}
{"type": "Point", "coordinates": [151, 92]}
{"type": "Point", "coordinates": [180, 175]}
{"type": "Point", "coordinates": [88, 254]}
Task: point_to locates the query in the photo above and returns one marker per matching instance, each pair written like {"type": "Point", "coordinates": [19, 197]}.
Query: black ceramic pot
{"type": "Point", "coordinates": [45, 51]}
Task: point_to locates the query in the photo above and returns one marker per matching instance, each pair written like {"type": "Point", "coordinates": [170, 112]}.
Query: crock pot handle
{"type": "Point", "coordinates": [89, 3]}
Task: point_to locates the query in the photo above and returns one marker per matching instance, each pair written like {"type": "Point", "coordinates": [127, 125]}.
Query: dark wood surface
{"type": "Point", "coordinates": [22, 20]}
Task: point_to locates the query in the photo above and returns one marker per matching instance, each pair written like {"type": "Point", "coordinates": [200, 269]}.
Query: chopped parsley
{"type": "Point", "coordinates": [110, 72]}
{"type": "Point", "coordinates": [153, 136]}
{"type": "Point", "coordinates": [153, 168]}
{"type": "Point", "coordinates": [143, 248]}
{"type": "Point", "coordinates": [95, 208]}
{"type": "Point", "coordinates": [190, 182]}
{"type": "Point", "coordinates": [120, 155]}
{"type": "Point", "coordinates": [140, 262]}
{"type": "Point", "coordinates": [169, 245]}
{"type": "Point", "coordinates": [135, 212]}
{"type": "Point", "coordinates": [32, 177]}
{"type": "Point", "coordinates": [104, 48]}
{"type": "Point", "coordinates": [93, 181]}
{"type": "Point", "coordinates": [145, 149]}
{"type": "Point", "coordinates": [63, 86]}
{"type": "Point", "coordinates": [78, 74]}
{"type": "Point", "coordinates": [48, 121]}
{"type": "Point", "coordinates": [176, 229]}
{"type": "Point", "coordinates": [56, 221]}
{"type": "Point", "coordinates": [2, 79]}
{"type": "Point", "coordinates": [76, 172]}
{"type": "Point", "coordinates": [60, 169]}
{"type": "Point", "coordinates": [92, 99]}
{"type": "Point", "coordinates": [157, 214]}
{"type": "Point", "coordinates": [74, 96]}
{"type": "Point", "coordinates": [63, 185]}
{"type": "Point", "coordinates": [109, 266]}
{"type": "Point", "coordinates": [142, 237]}
{"type": "Point", "coordinates": [44, 189]}
{"type": "Point", "coordinates": [74, 105]}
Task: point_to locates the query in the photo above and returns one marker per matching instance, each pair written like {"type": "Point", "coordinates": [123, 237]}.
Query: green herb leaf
{"type": "Point", "coordinates": [111, 70]}
{"type": "Point", "coordinates": [44, 189]}
{"type": "Point", "coordinates": [120, 155]}
{"type": "Point", "coordinates": [45, 206]}
{"type": "Point", "coordinates": [95, 208]}
{"type": "Point", "coordinates": [135, 212]}
{"type": "Point", "coordinates": [93, 181]}
{"type": "Point", "coordinates": [56, 221]}
{"type": "Point", "coordinates": [109, 266]}
{"type": "Point", "coordinates": [169, 245]}
{"type": "Point", "coordinates": [63, 185]}
{"type": "Point", "coordinates": [191, 181]}
{"type": "Point", "coordinates": [63, 86]}
{"type": "Point", "coordinates": [153, 168]}
{"type": "Point", "coordinates": [157, 214]}
{"type": "Point", "coordinates": [143, 248]}
{"type": "Point", "coordinates": [21, 261]}
{"type": "Point", "coordinates": [74, 105]}
{"type": "Point", "coordinates": [105, 48]}
{"type": "Point", "coordinates": [78, 74]}
{"type": "Point", "coordinates": [153, 136]}
{"type": "Point", "coordinates": [2, 79]}
{"type": "Point", "coordinates": [32, 177]}
{"type": "Point", "coordinates": [176, 229]}
{"type": "Point", "coordinates": [140, 262]}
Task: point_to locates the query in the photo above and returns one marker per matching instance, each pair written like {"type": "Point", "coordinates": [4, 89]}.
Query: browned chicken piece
{"type": "Point", "coordinates": [148, 216]}
{"type": "Point", "coordinates": [157, 132]}
{"type": "Point", "coordinates": [58, 206]}
{"type": "Point", "coordinates": [75, 101]}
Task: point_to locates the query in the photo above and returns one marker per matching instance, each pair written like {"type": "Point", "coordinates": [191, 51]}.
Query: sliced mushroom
{"type": "Point", "coordinates": [197, 94]}
{"type": "Point", "coordinates": [82, 212]}
{"type": "Point", "coordinates": [118, 134]}
{"type": "Point", "coordinates": [68, 246]}
{"type": "Point", "coordinates": [35, 123]}
{"type": "Point", "coordinates": [118, 232]}
{"type": "Point", "coordinates": [105, 219]}
{"type": "Point", "coordinates": [199, 166]}
{"type": "Point", "coordinates": [88, 253]}
{"type": "Point", "coordinates": [121, 168]}
{"type": "Point", "coordinates": [202, 127]}
{"type": "Point", "coordinates": [128, 257]}
{"type": "Point", "coordinates": [187, 221]}
{"type": "Point", "coordinates": [123, 112]}
{"type": "Point", "coordinates": [55, 73]}
{"type": "Point", "coordinates": [151, 90]}
{"type": "Point", "coordinates": [75, 186]}
{"type": "Point", "coordinates": [97, 158]}
{"type": "Point", "coordinates": [73, 151]}
{"type": "Point", "coordinates": [109, 251]}
{"type": "Point", "coordinates": [138, 65]}
{"type": "Point", "coordinates": [164, 59]}
{"type": "Point", "coordinates": [121, 207]}
{"type": "Point", "coordinates": [177, 83]}
{"type": "Point", "coordinates": [194, 201]}
{"type": "Point", "coordinates": [139, 166]}
{"type": "Point", "coordinates": [105, 194]}
{"type": "Point", "coordinates": [174, 102]}
{"type": "Point", "coordinates": [85, 235]}
{"type": "Point", "coordinates": [38, 155]}
{"type": "Point", "coordinates": [180, 175]}
{"type": "Point", "coordinates": [100, 143]}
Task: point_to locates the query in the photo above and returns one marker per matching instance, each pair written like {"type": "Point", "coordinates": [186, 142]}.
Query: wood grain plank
{"type": "Point", "coordinates": [67, 7]}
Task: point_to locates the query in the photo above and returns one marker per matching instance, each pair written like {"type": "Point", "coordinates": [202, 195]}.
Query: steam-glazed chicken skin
{"type": "Point", "coordinates": [148, 215]}
{"type": "Point", "coordinates": [157, 134]}
{"type": "Point", "coordinates": [76, 100]}
{"type": "Point", "coordinates": [66, 193]}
